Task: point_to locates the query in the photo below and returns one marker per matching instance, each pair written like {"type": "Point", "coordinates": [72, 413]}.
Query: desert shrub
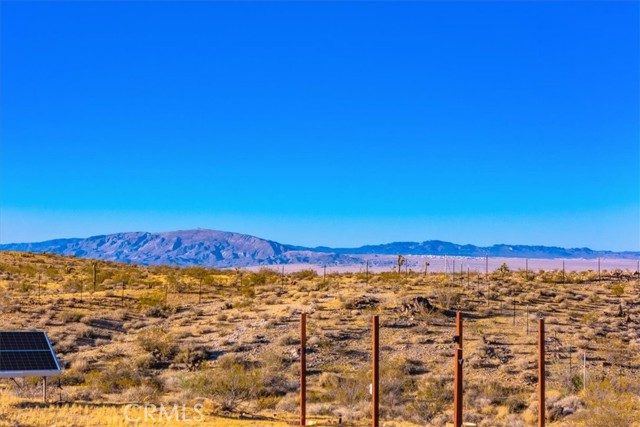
{"type": "Point", "coordinates": [66, 345]}
{"type": "Point", "coordinates": [265, 403]}
{"type": "Point", "coordinates": [559, 298]}
{"type": "Point", "coordinates": [72, 286]}
{"type": "Point", "coordinates": [114, 378]}
{"type": "Point", "coordinates": [445, 297]}
{"type": "Point", "coordinates": [564, 407]}
{"type": "Point", "coordinates": [590, 318]}
{"type": "Point", "coordinates": [191, 358]}
{"type": "Point", "coordinates": [351, 388]}
{"type": "Point", "coordinates": [248, 291]}
{"type": "Point", "coordinates": [572, 383]}
{"type": "Point", "coordinates": [288, 404]}
{"type": "Point", "coordinates": [104, 274]}
{"type": "Point", "coordinates": [364, 302]}
{"type": "Point", "coordinates": [158, 343]}
{"type": "Point", "coordinates": [144, 362]}
{"type": "Point", "coordinates": [610, 350]}
{"type": "Point", "coordinates": [140, 393]}
{"type": "Point", "coordinates": [152, 299]}
{"type": "Point", "coordinates": [71, 377]}
{"type": "Point", "coordinates": [159, 311]}
{"type": "Point", "coordinates": [306, 274]}
{"type": "Point", "coordinates": [394, 385]}
{"type": "Point", "coordinates": [607, 407]}
{"type": "Point", "coordinates": [239, 304]}
{"type": "Point", "coordinates": [81, 364]}
{"type": "Point", "coordinates": [289, 339]}
{"type": "Point", "coordinates": [516, 404]}
{"type": "Point", "coordinates": [551, 276]}
{"type": "Point", "coordinates": [432, 398]}
{"type": "Point", "coordinates": [274, 380]}
{"type": "Point", "coordinates": [502, 270]}
{"type": "Point", "coordinates": [70, 316]}
{"type": "Point", "coordinates": [262, 277]}
{"type": "Point", "coordinates": [25, 287]}
{"type": "Point", "coordinates": [84, 394]}
{"type": "Point", "coordinates": [617, 290]}
{"type": "Point", "coordinates": [496, 392]}
{"type": "Point", "coordinates": [230, 386]}
{"type": "Point", "coordinates": [594, 299]}
{"type": "Point", "coordinates": [84, 331]}
{"type": "Point", "coordinates": [271, 300]}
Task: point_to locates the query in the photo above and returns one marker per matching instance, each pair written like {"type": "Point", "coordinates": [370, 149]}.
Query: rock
{"type": "Point", "coordinates": [362, 303]}
{"type": "Point", "coordinates": [416, 305]}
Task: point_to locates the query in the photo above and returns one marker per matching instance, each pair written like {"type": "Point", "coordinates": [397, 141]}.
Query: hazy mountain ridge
{"type": "Point", "coordinates": [226, 249]}
{"type": "Point", "coordinates": [437, 247]}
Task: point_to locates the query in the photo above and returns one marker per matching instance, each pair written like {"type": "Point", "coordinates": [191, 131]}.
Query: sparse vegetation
{"type": "Point", "coordinates": [229, 339]}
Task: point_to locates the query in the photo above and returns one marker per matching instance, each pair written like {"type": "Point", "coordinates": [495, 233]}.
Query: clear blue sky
{"type": "Point", "coordinates": [323, 123]}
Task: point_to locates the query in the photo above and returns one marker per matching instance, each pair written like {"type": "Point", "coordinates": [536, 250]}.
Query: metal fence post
{"type": "Point", "coordinates": [375, 396]}
{"type": "Point", "coordinates": [458, 381]}
{"type": "Point", "coordinates": [303, 369]}
{"type": "Point", "coordinates": [541, 373]}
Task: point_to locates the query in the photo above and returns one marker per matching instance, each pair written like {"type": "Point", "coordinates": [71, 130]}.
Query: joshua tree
{"type": "Point", "coordinates": [503, 269]}
{"type": "Point", "coordinates": [401, 261]}
{"type": "Point", "coordinates": [200, 274]}
{"type": "Point", "coordinates": [94, 268]}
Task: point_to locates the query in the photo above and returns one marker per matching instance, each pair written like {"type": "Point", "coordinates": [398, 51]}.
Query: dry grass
{"type": "Point", "coordinates": [172, 331]}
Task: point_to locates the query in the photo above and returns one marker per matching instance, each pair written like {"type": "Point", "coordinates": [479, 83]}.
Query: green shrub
{"type": "Point", "coordinates": [617, 290]}
{"type": "Point", "coordinates": [263, 277]}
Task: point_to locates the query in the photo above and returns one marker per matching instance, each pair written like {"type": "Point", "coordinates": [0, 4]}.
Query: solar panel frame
{"type": "Point", "coordinates": [27, 354]}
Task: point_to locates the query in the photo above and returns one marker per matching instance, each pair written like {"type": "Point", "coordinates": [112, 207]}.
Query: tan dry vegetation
{"type": "Point", "coordinates": [228, 340]}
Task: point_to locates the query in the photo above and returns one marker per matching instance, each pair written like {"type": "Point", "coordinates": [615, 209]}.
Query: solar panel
{"type": "Point", "coordinates": [25, 354]}
{"type": "Point", "coordinates": [23, 341]}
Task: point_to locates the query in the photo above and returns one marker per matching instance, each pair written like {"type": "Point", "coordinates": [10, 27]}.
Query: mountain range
{"type": "Point", "coordinates": [223, 249]}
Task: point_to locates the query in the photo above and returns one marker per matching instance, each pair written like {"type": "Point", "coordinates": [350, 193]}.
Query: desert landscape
{"type": "Point", "coordinates": [303, 213]}
{"type": "Point", "coordinates": [223, 344]}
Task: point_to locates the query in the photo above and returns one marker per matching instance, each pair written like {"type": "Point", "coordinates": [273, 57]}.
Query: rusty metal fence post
{"type": "Point", "coordinates": [303, 369]}
{"type": "Point", "coordinates": [458, 380]}
{"type": "Point", "coordinates": [375, 374]}
{"type": "Point", "coordinates": [541, 374]}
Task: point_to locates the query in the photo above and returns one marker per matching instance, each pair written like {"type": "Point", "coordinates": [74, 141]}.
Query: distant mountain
{"type": "Point", "coordinates": [437, 247]}
{"type": "Point", "coordinates": [190, 247]}
{"type": "Point", "coordinates": [224, 249]}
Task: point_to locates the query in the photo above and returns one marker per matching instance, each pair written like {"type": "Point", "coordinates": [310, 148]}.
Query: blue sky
{"type": "Point", "coordinates": [339, 123]}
